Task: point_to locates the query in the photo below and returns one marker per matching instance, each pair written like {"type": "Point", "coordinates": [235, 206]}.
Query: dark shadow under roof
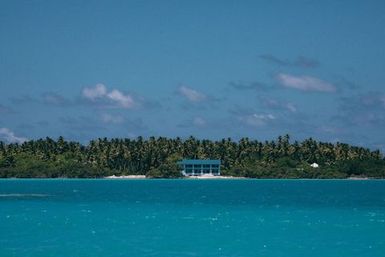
{"type": "Point", "coordinates": [199, 161]}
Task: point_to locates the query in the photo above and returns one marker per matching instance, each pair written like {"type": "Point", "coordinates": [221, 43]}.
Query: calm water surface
{"type": "Point", "coordinates": [192, 218]}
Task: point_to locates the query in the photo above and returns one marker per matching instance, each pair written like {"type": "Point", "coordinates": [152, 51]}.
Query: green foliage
{"type": "Point", "coordinates": [168, 169]}
{"type": "Point", "coordinates": [157, 157]}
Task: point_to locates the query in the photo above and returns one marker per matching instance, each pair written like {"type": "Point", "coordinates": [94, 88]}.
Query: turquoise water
{"type": "Point", "coordinates": [192, 218]}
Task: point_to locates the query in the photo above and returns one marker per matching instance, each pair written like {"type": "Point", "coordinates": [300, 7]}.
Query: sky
{"type": "Point", "coordinates": [210, 69]}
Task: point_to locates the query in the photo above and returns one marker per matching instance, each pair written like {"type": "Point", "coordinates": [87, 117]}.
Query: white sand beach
{"type": "Point", "coordinates": [208, 176]}
{"type": "Point", "coordinates": [358, 178]}
{"type": "Point", "coordinates": [126, 177]}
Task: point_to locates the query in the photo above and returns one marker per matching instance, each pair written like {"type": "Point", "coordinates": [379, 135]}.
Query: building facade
{"type": "Point", "coordinates": [200, 167]}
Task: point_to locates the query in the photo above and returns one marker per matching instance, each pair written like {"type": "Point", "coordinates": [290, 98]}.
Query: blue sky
{"type": "Point", "coordinates": [211, 69]}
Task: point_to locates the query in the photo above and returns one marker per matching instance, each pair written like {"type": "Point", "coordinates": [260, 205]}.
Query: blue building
{"type": "Point", "coordinates": [200, 167]}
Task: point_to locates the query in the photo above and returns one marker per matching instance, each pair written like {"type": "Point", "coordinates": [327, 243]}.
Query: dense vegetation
{"type": "Point", "coordinates": [156, 157]}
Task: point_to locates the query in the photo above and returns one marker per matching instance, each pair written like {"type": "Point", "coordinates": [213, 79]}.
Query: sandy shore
{"type": "Point", "coordinates": [213, 177]}
{"type": "Point", "coordinates": [358, 178]}
{"type": "Point", "coordinates": [127, 177]}
{"type": "Point", "coordinates": [209, 177]}
{"type": "Point", "coordinates": [187, 177]}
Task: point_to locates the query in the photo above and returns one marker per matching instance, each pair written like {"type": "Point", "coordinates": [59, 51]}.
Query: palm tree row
{"type": "Point", "coordinates": [138, 156]}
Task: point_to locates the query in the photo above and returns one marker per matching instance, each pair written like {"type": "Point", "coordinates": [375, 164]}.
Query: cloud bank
{"type": "Point", "coordinates": [10, 137]}
{"type": "Point", "coordinates": [191, 95]}
{"type": "Point", "coordinates": [305, 83]}
{"type": "Point", "coordinates": [300, 61]}
{"type": "Point", "coordinates": [257, 120]}
{"type": "Point", "coordinates": [100, 94]}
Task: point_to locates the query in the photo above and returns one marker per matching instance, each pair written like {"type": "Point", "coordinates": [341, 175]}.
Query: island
{"type": "Point", "coordinates": [158, 158]}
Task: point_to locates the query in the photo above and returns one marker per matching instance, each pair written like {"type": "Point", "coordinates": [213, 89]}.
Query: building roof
{"type": "Point", "coordinates": [195, 161]}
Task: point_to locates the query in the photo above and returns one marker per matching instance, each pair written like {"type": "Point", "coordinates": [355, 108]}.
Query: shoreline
{"type": "Point", "coordinates": [186, 177]}
{"type": "Point", "coordinates": [359, 178]}
{"type": "Point", "coordinates": [207, 177]}
{"type": "Point", "coordinates": [125, 177]}
{"type": "Point", "coordinates": [213, 177]}
{"type": "Point", "coordinates": [204, 177]}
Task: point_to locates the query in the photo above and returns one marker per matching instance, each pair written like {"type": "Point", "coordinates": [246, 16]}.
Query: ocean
{"type": "Point", "coordinates": [245, 217]}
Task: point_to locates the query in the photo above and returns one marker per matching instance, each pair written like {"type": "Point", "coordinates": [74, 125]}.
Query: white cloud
{"type": "Point", "coordinates": [125, 101]}
{"type": "Point", "coordinates": [257, 120]}
{"type": "Point", "coordinates": [305, 83]}
{"type": "Point", "coordinates": [191, 94]}
{"type": "Point", "coordinates": [96, 92]}
{"type": "Point", "coordinates": [9, 136]}
{"type": "Point", "coordinates": [115, 97]}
